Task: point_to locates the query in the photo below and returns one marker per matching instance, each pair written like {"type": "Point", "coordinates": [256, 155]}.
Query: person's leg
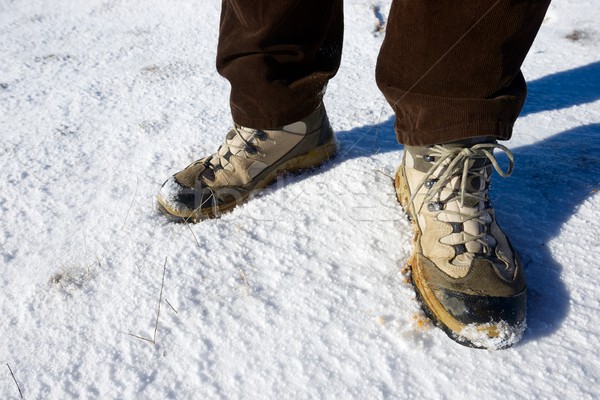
{"type": "Point", "coordinates": [278, 57]}
{"type": "Point", "coordinates": [451, 72]}
{"type": "Point", "coordinates": [451, 69]}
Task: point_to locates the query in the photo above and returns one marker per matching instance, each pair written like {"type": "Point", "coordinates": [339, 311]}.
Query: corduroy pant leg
{"type": "Point", "coordinates": [278, 56]}
{"type": "Point", "coordinates": [451, 69]}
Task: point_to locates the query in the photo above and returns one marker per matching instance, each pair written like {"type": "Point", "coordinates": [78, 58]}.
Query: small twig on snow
{"type": "Point", "coordinates": [15, 379]}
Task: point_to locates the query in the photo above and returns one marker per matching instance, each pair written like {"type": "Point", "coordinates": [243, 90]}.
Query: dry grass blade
{"type": "Point", "coordinates": [193, 234]}
{"type": "Point", "coordinates": [162, 285]}
{"type": "Point", "coordinates": [160, 299]}
{"type": "Point", "coordinates": [243, 276]}
{"type": "Point", "coordinates": [140, 337]}
{"type": "Point", "coordinates": [172, 308]}
{"type": "Point", "coordinates": [137, 182]}
{"type": "Point", "coordinates": [29, 172]}
{"type": "Point", "coordinates": [384, 174]}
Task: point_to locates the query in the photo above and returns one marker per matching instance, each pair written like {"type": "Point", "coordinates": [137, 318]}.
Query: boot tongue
{"type": "Point", "coordinates": [299, 127]}
{"type": "Point", "coordinates": [475, 183]}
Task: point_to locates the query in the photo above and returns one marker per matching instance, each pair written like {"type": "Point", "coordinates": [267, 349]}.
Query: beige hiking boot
{"type": "Point", "coordinates": [248, 160]}
{"type": "Point", "coordinates": [466, 274]}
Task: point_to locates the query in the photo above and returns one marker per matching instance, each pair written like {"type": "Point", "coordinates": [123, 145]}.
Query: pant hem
{"type": "Point", "coordinates": [425, 120]}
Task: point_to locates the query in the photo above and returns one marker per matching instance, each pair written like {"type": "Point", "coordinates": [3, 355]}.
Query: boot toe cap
{"type": "Point", "coordinates": [181, 201]}
{"type": "Point", "coordinates": [482, 321]}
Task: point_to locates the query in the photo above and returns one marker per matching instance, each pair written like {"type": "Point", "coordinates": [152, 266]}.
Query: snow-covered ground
{"type": "Point", "coordinates": [298, 294]}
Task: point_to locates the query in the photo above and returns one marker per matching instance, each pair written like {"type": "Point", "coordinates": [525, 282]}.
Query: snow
{"type": "Point", "coordinates": [507, 335]}
{"type": "Point", "coordinates": [299, 293]}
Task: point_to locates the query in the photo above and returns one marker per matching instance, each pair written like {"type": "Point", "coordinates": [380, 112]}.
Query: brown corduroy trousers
{"type": "Point", "coordinates": [449, 69]}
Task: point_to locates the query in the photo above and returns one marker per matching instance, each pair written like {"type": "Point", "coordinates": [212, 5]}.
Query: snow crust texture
{"type": "Point", "coordinates": [507, 335]}
{"type": "Point", "coordinates": [298, 294]}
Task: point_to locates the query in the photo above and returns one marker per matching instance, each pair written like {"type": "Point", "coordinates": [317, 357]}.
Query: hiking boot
{"type": "Point", "coordinates": [466, 274]}
{"type": "Point", "coordinates": [248, 160]}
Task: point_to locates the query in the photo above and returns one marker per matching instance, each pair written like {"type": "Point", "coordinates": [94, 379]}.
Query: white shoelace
{"type": "Point", "coordinates": [458, 160]}
{"type": "Point", "coordinates": [241, 143]}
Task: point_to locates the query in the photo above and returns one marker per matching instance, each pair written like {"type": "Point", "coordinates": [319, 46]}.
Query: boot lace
{"type": "Point", "coordinates": [240, 141]}
{"type": "Point", "coordinates": [459, 162]}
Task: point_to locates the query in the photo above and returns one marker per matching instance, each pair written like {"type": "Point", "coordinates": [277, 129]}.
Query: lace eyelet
{"type": "Point", "coordinates": [429, 183]}
{"type": "Point", "coordinates": [434, 206]}
{"type": "Point", "coordinates": [428, 158]}
{"type": "Point", "coordinates": [260, 135]}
